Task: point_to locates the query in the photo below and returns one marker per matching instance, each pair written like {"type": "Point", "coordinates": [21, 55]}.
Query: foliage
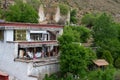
{"type": "Point", "coordinates": [64, 9]}
{"type": "Point", "coordinates": [117, 63]}
{"type": "Point", "coordinates": [103, 29]}
{"type": "Point", "coordinates": [84, 33]}
{"type": "Point", "coordinates": [74, 58]}
{"type": "Point", "coordinates": [107, 56]}
{"type": "Point", "coordinates": [68, 76]}
{"type": "Point", "coordinates": [117, 26]}
{"type": "Point", "coordinates": [107, 74]}
{"type": "Point", "coordinates": [105, 35]}
{"type": "Point", "coordinates": [73, 18]}
{"type": "Point", "coordinates": [73, 34]}
{"type": "Point", "coordinates": [89, 19]}
{"type": "Point", "coordinates": [2, 12]}
{"type": "Point", "coordinates": [21, 12]}
{"type": "Point", "coordinates": [117, 75]}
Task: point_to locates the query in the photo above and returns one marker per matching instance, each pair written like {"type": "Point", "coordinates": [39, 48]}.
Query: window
{"type": "Point", "coordinates": [1, 35]}
{"type": "Point", "coordinates": [36, 36]}
{"type": "Point", "coordinates": [19, 35]}
{"type": "Point", "coordinates": [39, 36]}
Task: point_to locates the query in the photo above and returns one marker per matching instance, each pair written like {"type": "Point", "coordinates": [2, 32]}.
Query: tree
{"type": "Point", "coordinates": [84, 33]}
{"type": "Point", "coordinates": [107, 56]}
{"type": "Point", "coordinates": [117, 63]}
{"type": "Point", "coordinates": [107, 74]}
{"type": "Point", "coordinates": [64, 9]}
{"type": "Point", "coordinates": [105, 35]}
{"type": "Point", "coordinates": [89, 19]}
{"type": "Point", "coordinates": [21, 12]}
{"type": "Point", "coordinates": [103, 29]}
{"type": "Point", "coordinates": [74, 58]}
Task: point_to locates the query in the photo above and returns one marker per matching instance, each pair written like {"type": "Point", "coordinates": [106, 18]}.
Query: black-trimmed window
{"type": "Point", "coordinates": [1, 35]}
{"type": "Point", "coordinates": [36, 36]}
{"type": "Point", "coordinates": [20, 35]}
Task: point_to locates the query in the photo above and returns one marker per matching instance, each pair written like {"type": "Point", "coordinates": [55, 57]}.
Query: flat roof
{"type": "Point", "coordinates": [28, 25]}
{"type": "Point", "coordinates": [100, 62]}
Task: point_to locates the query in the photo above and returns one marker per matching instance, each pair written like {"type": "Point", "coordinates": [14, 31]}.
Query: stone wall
{"type": "Point", "coordinates": [40, 69]}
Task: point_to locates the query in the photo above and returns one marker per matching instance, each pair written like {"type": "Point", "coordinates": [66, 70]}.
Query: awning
{"type": "Point", "coordinates": [101, 62]}
{"type": "Point", "coordinates": [31, 31]}
{"type": "Point", "coordinates": [37, 44]}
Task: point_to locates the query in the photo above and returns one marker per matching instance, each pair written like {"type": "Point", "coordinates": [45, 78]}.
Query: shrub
{"type": "Point", "coordinates": [107, 56]}
{"type": "Point", "coordinates": [89, 19]}
{"type": "Point", "coordinates": [73, 18]}
{"type": "Point", "coordinates": [84, 33]}
{"type": "Point", "coordinates": [117, 63]}
{"type": "Point", "coordinates": [64, 9]}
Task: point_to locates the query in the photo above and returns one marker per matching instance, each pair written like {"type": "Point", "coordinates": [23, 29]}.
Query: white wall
{"type": "Point", "coordinates": [7, 63]}
{"type": "Point", "coordinates": [42, 68]}
{"type": "Point", "coordinates": [22, 70]}
{"type": "Point", "coordinates": [9, 35]}
{"type": "Point", "coordinates": [28, 35]}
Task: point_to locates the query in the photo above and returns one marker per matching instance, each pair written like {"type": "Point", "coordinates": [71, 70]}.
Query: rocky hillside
{"type": "Point", "coordinates": [86, 6]}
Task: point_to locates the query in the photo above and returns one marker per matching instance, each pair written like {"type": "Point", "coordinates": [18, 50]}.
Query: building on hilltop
{"type": "Point", "coordinates": [29, 51]}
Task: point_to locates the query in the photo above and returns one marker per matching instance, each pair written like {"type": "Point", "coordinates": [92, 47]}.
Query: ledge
{"type": "Point", "coordinates": [40, 60]}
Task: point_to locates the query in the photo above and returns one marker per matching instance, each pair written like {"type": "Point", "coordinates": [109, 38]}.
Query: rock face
{"type": "Point", "coordinates": [51, 15]}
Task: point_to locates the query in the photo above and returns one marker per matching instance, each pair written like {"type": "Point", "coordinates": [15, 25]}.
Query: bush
{"type": "Point", "coordinates": [107, 74]}
{"type": "Point", "coordinates": [89, 19]}
{"type": "Point", "coordinates": [73, 18]}
{"type": "Point", "coordinates": [117, 63]}
{"type": "Point", "coordinates": [117, 75]}
{"type": "Point", "coordinates": [84, 33]}
{"type": "Point", "coordinates": [107, 56]}
{"type": "Point", "coordinates": [64, 9]}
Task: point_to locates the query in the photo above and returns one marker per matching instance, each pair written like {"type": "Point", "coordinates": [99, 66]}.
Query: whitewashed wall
{"type": "Point", "coordinates": [7, 63]}
{"type": "Point", "coordinates": [42, 68]}
{"type": "Point", "coordinates": [8, 35]}
{"type": "Point", "coordinates": [28, 35]}
{"type": "Point", "coordinates": [22, 70]}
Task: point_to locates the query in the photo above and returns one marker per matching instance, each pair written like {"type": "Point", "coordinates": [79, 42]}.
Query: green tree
{"type": "Point", "coordinates": [64, 9]}
{"type": "Point", "coordinates": [103, 29]}
{"type": "Point", "coordinates": [89, 19]}
{"type": "Point", "coordinates": [107, 74]}
{"type": "Point", "coordinates": [117, 26]}
{"type": "Point", "coordinates": [0, 12]}
{"type": "Point", "coordinates": [84, 33]}
{"type": "Point", "coordinates": [73, 58]}
{"type": "Point", "coordinates": [107, 56]}
{"type": "Point", "coordinates": [106, 36]}
{"type": "Point", "coordinates": [117, 63]}
{"type": "Point", "coordinates": [73, 18]}
{"type": "Point", "coordinates": [21, 12]}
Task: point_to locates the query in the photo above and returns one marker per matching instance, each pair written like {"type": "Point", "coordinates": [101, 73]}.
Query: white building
{"type": "Point", "coordinates": [29, 51]}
